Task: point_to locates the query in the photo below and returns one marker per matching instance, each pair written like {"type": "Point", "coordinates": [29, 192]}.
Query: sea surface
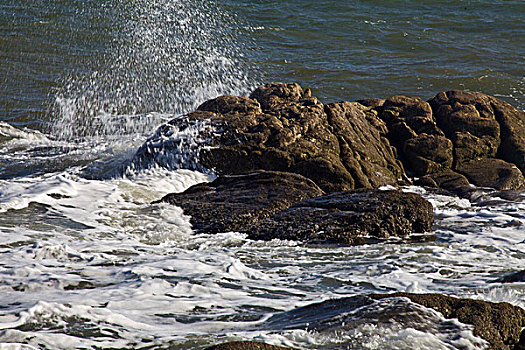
{"type": "Point", "coordinates": [86, 262]}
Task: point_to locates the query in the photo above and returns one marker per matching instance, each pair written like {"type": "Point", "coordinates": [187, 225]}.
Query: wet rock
{"type": "Point", "coordinates": [501, 324]}
{"type": "Point", "coordinates": [448, 180]}
{"type": "Point", "coordinates": [512, 131]}
{"type": "Point", "coordinates": [365, 154]}
{"type": "Point", "coordinates": [348, 145]}
{"type": "Point", "coordinates": [246, 345]}
{"type": "Point", "coordinates": [512, 277]}
{"type": "Point", "coordinates": [268, 205]}
{"type": "Point", "coordinates": [352, 217]}
{"type": "Point", "coordinates": [230, 203]}
{"type": "Point", "coordinates": [281, 127]}
{"type": "Point", "coordinates": [494, 173]}
{"type": "Point", "coordinates": [413, 111]}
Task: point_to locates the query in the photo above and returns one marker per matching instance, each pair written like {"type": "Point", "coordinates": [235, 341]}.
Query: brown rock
{"type": "Point", "coordinates": [283, 128]}
{"type": "Point", "coordinates": [352, 217]}
{"type": "Point", "coordinates": [448, 180]}
{"type": "Point", "coordinates": [246, 345]}
{"type": "Point", "coordinates": [468, 119]}
{"type": "Point", "coordinates": [366, 155]}
{"type": "Point", "coordinates": [494, 173]}
{"type": "Point", "coordinates": [230, 203]}
{"type": "Point", "coordinates": [501, 324]}
{"type": "Point", "coordinates": [428, 154]}
{"type": "Point", "coordinates": [413, 111]}
{"type": "Point", "coordinates": [512, 129]}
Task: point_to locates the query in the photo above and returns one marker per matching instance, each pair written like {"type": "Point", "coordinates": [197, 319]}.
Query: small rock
{"type": "Point", "coordinates": [246, 345]}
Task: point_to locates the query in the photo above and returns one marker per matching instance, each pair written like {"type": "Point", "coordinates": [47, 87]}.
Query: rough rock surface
{"type": "Point", "coordinates": [246, 345]}
{"type": "Point", "coordinates": [501, 324]}
{"type": "Point", "coordinates": [349, 145]}
{"type": "Point", "coordinates": [281, 127]}
{"type": "Point", "coordinates": [495, 173]}
{"type": "Point", "coordinates": [268, 205]}
{"type": "Point", "coordinates": [351, 217]}
{"type": "Point", "coordinates": [231, 203]}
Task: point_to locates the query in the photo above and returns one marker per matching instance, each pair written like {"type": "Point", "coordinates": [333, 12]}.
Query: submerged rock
{"type": "Point", "coordinates": [246, 345]}
{"type": "Point", "coordinates": [267, 205]}
{"type": "Point", "coordinates": [501, 324]}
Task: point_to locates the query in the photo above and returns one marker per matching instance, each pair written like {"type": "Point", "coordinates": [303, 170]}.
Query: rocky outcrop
{"type": "Point", "coordinates": [501, 324]}
{"type": "Point", "coordinates": [268, 205]}
{"type": "Point", "coordinates": [281, 127]}
{"type": "Point", "coordinates": [458, 132]}
{"type": "Point", "coordinates": [351, 217]}
{"type": "Point", "coordinates": [348, 145]}
{"type": "Point", "coordinates": [246, 345]}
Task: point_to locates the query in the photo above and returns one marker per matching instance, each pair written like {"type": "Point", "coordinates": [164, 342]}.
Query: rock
{"type": "Point", "coordinates": [512, 131]}
{"type": "Point", "coordinates": [448, 180]}
{"type": "Point", "coordinates": [365, 154]}
{"type": "Point", "coordinates": [512, 277]}
{"type": "Point", "coordinates": [280, 127]}
{"type": "Point", "coordinates": [413, 111]}
{"type": "Point", "coordinates": [268, 205]}
{"type": "Point", "coordinates": [501, 324]}
{"type": "Point", "coordinates": [246, 345]}
{"type": "Point", "coordinates": [352, 217]}
{"type": "Point", "coordinates": [495, 173]}
{"type": "Point", "coordinates": [347, 145]}
{"type": "Point", "coordinates": [468, 119]}
{"type": "Point", "coordinates": [428, 154]}
{"type": "Point", "coordinates": [232, 202]}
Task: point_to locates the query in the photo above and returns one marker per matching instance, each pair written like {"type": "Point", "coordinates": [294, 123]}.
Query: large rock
{"type": "Point", "coordinates": [428, 154]}
{"type": "Point", "coordinates": [351, 217]}
{"type": "Point", "coordinates": [280, 127]}
{"type": "Point", "coordinates": [246, 345]}
{"type": "Point", "coordinates": [501, 324]}
{"type": "Point", "coordinates": [347, 145]}
{"type": "Point", "coordinates": [268, 205]}
{"type": "Point", "coordinates": [231, 203]}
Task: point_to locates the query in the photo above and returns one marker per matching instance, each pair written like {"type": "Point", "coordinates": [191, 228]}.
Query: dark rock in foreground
{"type": "Point", "coordinates": [268, 205]}
{"type": "Point", "coordinates": [246, 345]}
{"type": "Point", "coordinates": [501, 324]}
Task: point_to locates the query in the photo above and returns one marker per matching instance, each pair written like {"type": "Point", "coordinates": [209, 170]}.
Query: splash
{"type": "Point", "coordinates": [159, 57]}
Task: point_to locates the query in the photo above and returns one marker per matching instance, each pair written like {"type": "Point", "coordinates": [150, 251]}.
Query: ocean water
{"type": "Point", "coordinates": [86, 262]}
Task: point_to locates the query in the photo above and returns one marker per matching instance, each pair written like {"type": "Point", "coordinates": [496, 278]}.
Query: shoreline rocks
{"type": "Point", "coordinates": [469, 136]}
{"type": "Point", "coordinates": [286, 161]}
